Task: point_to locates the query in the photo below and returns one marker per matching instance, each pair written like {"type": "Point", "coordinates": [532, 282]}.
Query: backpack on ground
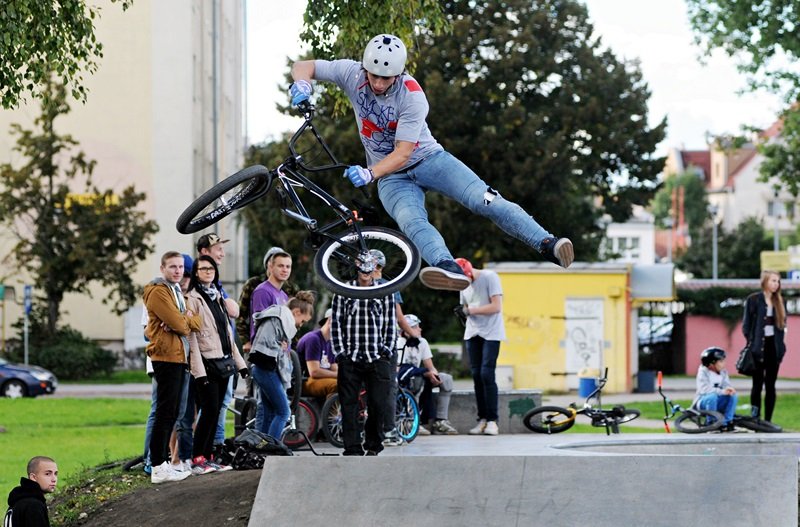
{"type": "Point", "coordinates": [252, 447]}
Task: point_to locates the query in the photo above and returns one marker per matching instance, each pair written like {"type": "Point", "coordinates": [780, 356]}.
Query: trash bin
{"type": "Point", "coordinates": [587, 381]}
{"type": "Point", "coordinates": [646, 381]}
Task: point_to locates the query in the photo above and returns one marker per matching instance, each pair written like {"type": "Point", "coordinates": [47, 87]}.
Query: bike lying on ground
{"type": "Point", "coordinates": [342, 246]}
{"type": "Point", "coordinates": [690, 420]}
{"type": "Point", "coordinates": [693, 420]}
{"type": "Point", "coordinates": [556, 419]}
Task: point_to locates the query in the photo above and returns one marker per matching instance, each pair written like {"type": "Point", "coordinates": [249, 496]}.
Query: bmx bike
{"type": "Point", "coordinates": [342, 245]}
{"type": "Point", "coordinates": [556, 419]}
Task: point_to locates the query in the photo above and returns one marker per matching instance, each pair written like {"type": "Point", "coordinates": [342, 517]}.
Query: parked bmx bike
{"type": "Point", "coordinates": [342, 245]}
{"type": "Point", "coordinates": [556, 419]}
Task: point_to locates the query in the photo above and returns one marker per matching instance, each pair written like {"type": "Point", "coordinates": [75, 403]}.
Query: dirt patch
{"type": "Point", "coordinates": [223, 498]}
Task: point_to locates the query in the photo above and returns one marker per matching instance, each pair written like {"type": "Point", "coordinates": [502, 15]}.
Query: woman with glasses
{"type": "Point", "coordinates": [213, 358]}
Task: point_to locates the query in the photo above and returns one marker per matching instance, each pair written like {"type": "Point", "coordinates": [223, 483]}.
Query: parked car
{"type": "Point", "coordinates": [19, 380]}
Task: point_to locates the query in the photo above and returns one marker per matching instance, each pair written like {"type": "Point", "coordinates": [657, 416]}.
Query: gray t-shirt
{"type": "Point", "coordinates": [480, 293]}
{"type": "Point", "coordinates": [397, 115]}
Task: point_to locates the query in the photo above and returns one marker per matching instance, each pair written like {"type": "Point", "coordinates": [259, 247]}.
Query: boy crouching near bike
{"type": "Point", "coordinates": [714, 389]}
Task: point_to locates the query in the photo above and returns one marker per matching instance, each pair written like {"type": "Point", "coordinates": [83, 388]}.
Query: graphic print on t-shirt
{"type": "Point", "coordinates": [378, 124]}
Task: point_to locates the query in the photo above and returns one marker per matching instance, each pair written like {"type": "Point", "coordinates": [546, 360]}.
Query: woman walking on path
{"type": "Point", "coordinates": [764, 325]}
{"type": "Point", "coordinates": [212, 345]}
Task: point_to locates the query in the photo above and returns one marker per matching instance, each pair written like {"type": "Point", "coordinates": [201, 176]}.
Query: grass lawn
{"type": "Point", "coordinates": [77, 433]}
{"type": "Point", "coordinates": [118, 377]}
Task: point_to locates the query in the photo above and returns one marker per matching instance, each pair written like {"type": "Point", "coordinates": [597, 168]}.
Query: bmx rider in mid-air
{"type": "Point", "coordinates": [406, 160]}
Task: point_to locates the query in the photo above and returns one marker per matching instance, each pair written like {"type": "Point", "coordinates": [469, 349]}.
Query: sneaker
{"type": "Point", "coordinates": [423, 431]}
{"type": "Point", "coordinates": [164, 472]}
{"type": "Point", "coordinates": [219, 466]}
{"type": "Point", "coordinates": [491, 429]}
{"type": "Point", "coordinates": [558, 250]}
{"type": "Point", "coordinates": [444, 427]}
{"type": "Point", "coordinates": [182, 466]}
{"type": "Point", "coordinates": [479, 428]}
{"type": "Point", "coordinates": [371, 453]}
{"type": "Point", "coordinates": [392, 439]}
{"type": "Point", "coordinates": [201, 466]}
{"type": "Point", "coordinates": [446, 276]}
{"type": "Point", "coordinates": [148, 469]}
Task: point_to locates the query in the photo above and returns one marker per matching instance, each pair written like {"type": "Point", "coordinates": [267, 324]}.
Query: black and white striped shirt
{"type": "Point", "coordinates": [363, 329]}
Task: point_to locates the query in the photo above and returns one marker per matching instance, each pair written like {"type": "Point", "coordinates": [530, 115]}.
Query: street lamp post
{"type": "Point", "coordinates": [712, 209]}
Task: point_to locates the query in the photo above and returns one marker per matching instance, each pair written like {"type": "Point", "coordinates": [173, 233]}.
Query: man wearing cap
{"type": "Point", "coordinates": [482, 305]}
{"type": "Point", "coordinates": [315, 349]}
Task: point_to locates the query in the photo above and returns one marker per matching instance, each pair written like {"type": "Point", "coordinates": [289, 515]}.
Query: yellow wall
{"type": "Point", "coordinates": [534, 309]}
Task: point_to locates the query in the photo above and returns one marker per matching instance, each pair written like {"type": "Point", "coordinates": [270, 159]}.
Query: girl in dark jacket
{"type": "Point", "coordinates": [764, 325]}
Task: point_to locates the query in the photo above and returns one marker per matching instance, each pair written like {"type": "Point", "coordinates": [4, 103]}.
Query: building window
{"type": "Point", "coordinates": [621, 248]}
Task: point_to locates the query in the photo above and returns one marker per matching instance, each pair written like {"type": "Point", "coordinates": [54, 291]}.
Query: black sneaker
{"type": "Point", "coordinates": [558, 250]}
{"type": "Point", "coordinates": [446, 276]}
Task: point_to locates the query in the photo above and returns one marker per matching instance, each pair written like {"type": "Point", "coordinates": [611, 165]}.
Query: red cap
{"type": "Point", "coordinates": [465, 266]}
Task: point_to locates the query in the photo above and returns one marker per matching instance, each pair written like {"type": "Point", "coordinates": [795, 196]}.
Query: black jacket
{"type": "Point", "coordinates": [29, 505]}
{"type": "Point", "coordinates": [755, 312]}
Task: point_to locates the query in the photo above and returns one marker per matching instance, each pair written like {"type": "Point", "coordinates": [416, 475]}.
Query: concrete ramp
{"type": "Point", "coordinates": [563, 490]}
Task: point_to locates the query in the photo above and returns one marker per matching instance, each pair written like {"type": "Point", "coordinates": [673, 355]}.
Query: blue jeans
{"type": "Point", "coordinates": [148, 429]}
{"type": "Point", "coordinates": [186, 419]}
{"type": "Point", "coordinates": [274, 401]}
{"type": "Point", "coordinates": [483, 361]}
{"type": "Point", "coordinates": [219, 437]}
{"type": "Point", "coordinates": [403, 196]}
{"type": "Point", "coordinates": [724, 404]}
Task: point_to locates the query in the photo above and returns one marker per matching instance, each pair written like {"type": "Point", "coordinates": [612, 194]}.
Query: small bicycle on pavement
{"type": "Point", "coordinates": [342, 245]}
{"type": "Point", "coordinates": [556, 419]}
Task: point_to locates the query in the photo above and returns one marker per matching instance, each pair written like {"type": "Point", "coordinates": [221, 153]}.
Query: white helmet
{"type": "Point", "coordinates": [385, 56]}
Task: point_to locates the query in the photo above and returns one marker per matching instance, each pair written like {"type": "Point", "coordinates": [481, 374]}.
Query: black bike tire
{"type": "Point", "coordinates": [757, 425]}
{"type": "Point", "coordinates": [714, 421]}
{"type": "Point", "coordinates": [188, 222]}
{"type": "Point", "coordinates": [332, 421]}
{"type": "Point", "coordinates": [408, 430]}
{"type": "Point", "coordinates": [132, 463]}
{"type": "Point", "coordinates": [249, 412]}
{"type": "Point", "coordinates": [535, 425]}
{"type": "Point", "coordinates": [295, 440]}
{"type": "Point", "coordinates": [629, 415]}
{"type": "Point", "coordinates": [410, 268]}
{"type": "Point", "coordinates": [296, 389]}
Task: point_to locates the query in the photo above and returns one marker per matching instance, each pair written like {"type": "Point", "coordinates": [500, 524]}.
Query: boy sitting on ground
{"type": "Point", "coordinates": [416, 360]}
{"type": "Point", "coordinates": [714, 389]}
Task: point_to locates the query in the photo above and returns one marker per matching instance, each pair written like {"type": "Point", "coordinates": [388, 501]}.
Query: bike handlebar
{"type": "Point", "coordinates": [307, 110]}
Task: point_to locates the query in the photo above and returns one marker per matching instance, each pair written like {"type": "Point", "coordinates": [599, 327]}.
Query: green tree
{"type": "Point", "coordinates": [738, 252]}
{"type": "Point", "coordinates": [69, 232]}
{"type": "Point", "coordinates": [764, 40]}
{"type": "Point", "coordinates": [695, 203]}
{"type": "Point", "coordinates": [47, 40]}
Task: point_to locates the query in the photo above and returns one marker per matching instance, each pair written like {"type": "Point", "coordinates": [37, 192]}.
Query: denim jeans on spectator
{"type": "Point", "coordinates": [219, 436]}
{"type": "Point", "coordinates": [403, 197]}
{"type": "Point", "coordinates": [724, 404]}
{"type": "Point", "coordinates": [170, 377]}
{"type": "Point", "coordinates": [376, 378]}
{"type": "Point", "coordinates": [184, 426]}
{"type": "Point", "coordinates": [274, 401]}
{"type": "Point", "coordinates": [483, 361]}
{"type": "Point", "coordinates": [148, 429]}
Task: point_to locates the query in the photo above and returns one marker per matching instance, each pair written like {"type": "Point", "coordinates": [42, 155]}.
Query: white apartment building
{"type": "Point", "coordinates": [165, 114]}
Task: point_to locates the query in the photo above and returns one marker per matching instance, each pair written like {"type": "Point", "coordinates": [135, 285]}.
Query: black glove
{"type": "Point", "coordinates": [201, 382]}
{"type": "Point", "coordinates": [244, 372]}
{"type": "Point", "coordinates": [460, 312]}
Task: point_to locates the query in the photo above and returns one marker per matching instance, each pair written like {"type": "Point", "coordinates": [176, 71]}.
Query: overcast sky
{"type": "Point", "coordinates": [695, 98]}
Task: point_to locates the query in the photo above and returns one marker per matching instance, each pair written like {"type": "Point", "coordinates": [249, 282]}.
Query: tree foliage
{"type": "Point", "coordinates": [764, 40]}
{"type": "Point", "coordinates": [738, 251]}
{"type": "Point", "coordinates": [70, 233]}
{"type": "Point", "coordinates": [695, 203]}
{"type": "Point", "coordinates": [47, 40]}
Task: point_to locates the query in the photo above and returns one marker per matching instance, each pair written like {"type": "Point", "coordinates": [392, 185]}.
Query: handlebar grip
{"type": "Point", "coordinates": [660, 377]}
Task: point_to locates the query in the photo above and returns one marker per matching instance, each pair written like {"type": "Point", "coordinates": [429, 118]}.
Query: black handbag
{"type": "Point", "coordinates": [224, 367]}
{"type": "Point", "coordinates": [746, 363]}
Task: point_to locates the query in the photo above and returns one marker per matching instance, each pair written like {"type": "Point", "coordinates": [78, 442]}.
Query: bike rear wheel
{"type": "Point", "coordinates": [336, 262]}
{"type": "Point", "coordinates": [230, 194]}
{"type": "Point", "coordinates": [305, 420]}
{"type": "Point", "coordinates": [549, 419]}
{"type": "Point", "coordinates": [699, 421]}
{"type": "Point", "coordinates": [332, 421]}
{"type": "Point", "coordinates": [757, 425]}
{"type": "Point", "coordinates": [406, 417]}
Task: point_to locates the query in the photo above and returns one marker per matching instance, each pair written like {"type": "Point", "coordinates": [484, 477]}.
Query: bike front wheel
{"type": "Point", "coordinates": [306, 420]}
{"type": "Point", "coordinates": [336, 262]}
{"type": "Point", "coordinates": [406, 417]}
{"type": "Point", "coordinates": [332, 421]}
{"type": "Point", "coordinates": [699, 421]}
{"type": "Point", "coordinates": [549, 419]}
{"type": "Point", "coordinates": [230, 194]}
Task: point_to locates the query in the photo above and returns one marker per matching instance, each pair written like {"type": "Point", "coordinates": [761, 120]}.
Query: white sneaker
{"type": "Point", "coordinates": [479, 428]}
{"type": "Point", "coordinates": [491, 429]}
{"type": "Point", "coordinates": [165, 472]}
